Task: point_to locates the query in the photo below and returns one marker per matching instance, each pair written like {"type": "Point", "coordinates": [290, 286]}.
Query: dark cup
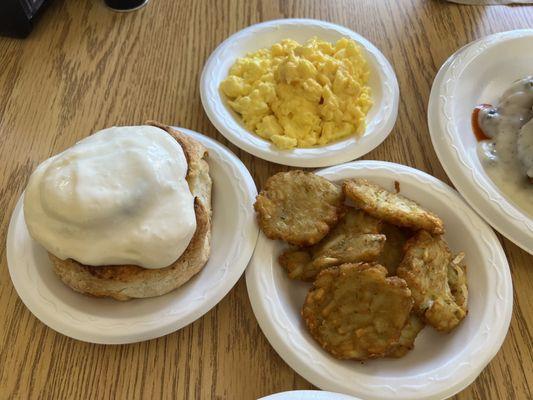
{"type": "Point", "coordinates": [125, 5]}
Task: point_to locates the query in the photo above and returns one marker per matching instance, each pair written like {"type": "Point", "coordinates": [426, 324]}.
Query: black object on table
{"type": "Point", "coordinates": [18, 16]}
{"type": "Point", "coordinates": [125, 5]}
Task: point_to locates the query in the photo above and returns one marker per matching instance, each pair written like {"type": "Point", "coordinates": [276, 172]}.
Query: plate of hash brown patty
{"type": "Point", "coordinates": [377, 280]}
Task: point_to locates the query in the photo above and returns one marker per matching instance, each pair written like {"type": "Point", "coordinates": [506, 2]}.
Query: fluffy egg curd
{"type": "Point", "coordinates": [301, 95]}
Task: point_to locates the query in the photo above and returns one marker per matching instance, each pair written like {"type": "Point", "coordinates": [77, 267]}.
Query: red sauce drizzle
{"type": "Point", "coordinates": [480, 135]}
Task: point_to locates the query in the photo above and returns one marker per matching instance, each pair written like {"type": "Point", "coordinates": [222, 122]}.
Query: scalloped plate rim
{"type": "Point", "coordinates": [241, 262]}
{"type": "Point", "coordinates": [334, 153]}
{"type": "Point", "coordinates": [470, 190]}
{"type": "Point", "coordinates": [308, 395]}
{"type": "Point", "coordinates": [359, 387]}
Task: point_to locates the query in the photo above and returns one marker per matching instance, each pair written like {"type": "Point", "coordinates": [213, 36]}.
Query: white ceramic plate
{"type": "Point", "coordinates": [479, 73]}
{"type": "Point", "coordinates": [380, 119]}
{"type": "Point", "coordinates": [112, 322]}
{"type": "Point", "coordinates": [440, 364]}
{"type": "Point", "coordinates": [307, 395]}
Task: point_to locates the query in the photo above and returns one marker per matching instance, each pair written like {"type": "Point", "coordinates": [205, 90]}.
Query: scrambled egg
{"type": "Point", "coordinates": [301, 95]}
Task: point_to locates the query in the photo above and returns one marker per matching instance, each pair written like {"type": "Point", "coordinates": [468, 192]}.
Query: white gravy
{"type": "Point", "coordinates": [117, 197]}
{"type": "Point", "coordinates": [508, 155]}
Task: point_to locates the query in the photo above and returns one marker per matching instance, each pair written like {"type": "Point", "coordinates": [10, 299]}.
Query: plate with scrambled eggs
{"type": "Point", "coordinates": [300, 92]}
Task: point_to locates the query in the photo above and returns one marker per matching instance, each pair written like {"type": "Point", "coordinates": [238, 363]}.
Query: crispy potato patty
{"type": "Point", "coordinates": [407, 338]}
{"type": "Point", "coordinates": [391, 207]}
{"type": "Point", "coordinates": [355, 238]}
{"type": "Point", "coordinates": [298, 207]}
{"type": "Point", "coordinates": [355, 312]}
{"type": "Point", "coordinates": [437, 282]}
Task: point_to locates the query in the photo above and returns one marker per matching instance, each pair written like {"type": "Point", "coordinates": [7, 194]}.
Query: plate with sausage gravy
{"type": "Point", "coordinates": [480, 117]}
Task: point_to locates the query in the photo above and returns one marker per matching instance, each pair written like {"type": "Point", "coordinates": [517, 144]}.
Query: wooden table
{"type": "Point", "coordinates": [85, 68]}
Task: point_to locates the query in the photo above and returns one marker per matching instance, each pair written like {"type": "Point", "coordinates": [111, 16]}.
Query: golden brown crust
{"type": "Point", "coordinates": [124, 282]}
{"type": "Point", "coordinates": [393, 251]}
{"type": "Point", "coordinates": [355, 312]}
{"type": "Point", "coordinates": [298, 264]}
{"type": "Point", "coordinates": [427, 268]}
{"type": "Point", "coordinates": [457, 281]}
{"type": "Point", "coordinates": [196, 154]}
{"type": "Point", "coordinates": [407, 338]}
{"type": "Point", "coordinates": [391, 207]}
{"type": "Point", "coordinates": [298, 207]}
{"type": "Point", "coordinates": [355, 238]}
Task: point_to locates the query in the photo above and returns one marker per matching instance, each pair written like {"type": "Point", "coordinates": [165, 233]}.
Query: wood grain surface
{"type": "Point", "coordinates": [85, 68]}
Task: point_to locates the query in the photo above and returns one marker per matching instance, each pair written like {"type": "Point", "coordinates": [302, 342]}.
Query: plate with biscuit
{"type": "Point", "coordinates": [123, 237]}
{"type": "Point", "coordinates": [377, 280]}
